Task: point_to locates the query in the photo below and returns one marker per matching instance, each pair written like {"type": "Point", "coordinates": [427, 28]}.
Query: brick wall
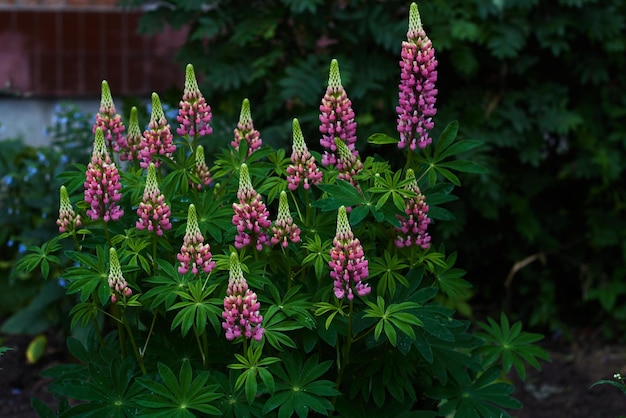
{"type": "Point", "coordinates": [65, 48]}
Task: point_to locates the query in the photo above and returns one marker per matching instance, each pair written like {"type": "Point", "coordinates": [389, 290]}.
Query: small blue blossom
{"type": "Point", "coordinates": [10, 243]}
{"type": "Point", "coordinates": [21, 248]}
{"type": "Point", "coordinates": [8, 179]}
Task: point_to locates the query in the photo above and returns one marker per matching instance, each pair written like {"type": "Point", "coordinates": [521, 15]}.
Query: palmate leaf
{"type": "Point", "coordinates": [108, 388]}
{"type": "Point", "coordinates": [512, 346]}
{"type": "Point", "coordinates": [299, 390]}
{"type": "Point", "coordinates": [196, 308]}
{"type": "Point", "coordinates": [176, 396]}
{"type": "Point", "coordinates": [483, 398]}
{"type": "Point", "coordinates": [398, 316]}
{"type": "Point", "coordinates": [252, 365]}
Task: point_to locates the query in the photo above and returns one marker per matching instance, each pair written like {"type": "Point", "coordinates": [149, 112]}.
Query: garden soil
{"type": "Point", "coordinates": [560, 389]}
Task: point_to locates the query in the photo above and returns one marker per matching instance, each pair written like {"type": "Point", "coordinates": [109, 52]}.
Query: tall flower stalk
{"type": "Point", "coordinates": [154, 214]}
{"type": "Point", "coordinates": [102, 183]}
{"type": "Point", "coordinates": [68, 220]}
{"type": "Point", "coordinates": [251, 215]}
{"type": "Point", "coordinates": [336, 118]}
{"type": "Point", "coordinates": [348, 164]}
{"type": "Point", "coordinates": [134, 138]}
{"type": "Point", "coordinates": [194, 253]}
{"type": "Point", "coordinates": [194, 114]}
{"type": "Point", "coordinates": [157, 139]}
{"type": "Point", "coordinates": [348, 266]}
{"type": "Point", "coordinates": [413, 226]}
{"type": "Point", "coordinates": [417, 92]}
{"type": "Point", "coordinates": [201, 170]}
{"type": "Point", "coordinates": [242, 316]}
{"type": "Point", "coordinates": [303, 168]}
{"type": "Point", "coordinates": [110, 122]}
{"type": "Point", "coordinates": [245, 130]}
{"type": "Point", "coordinates": [284, 228]}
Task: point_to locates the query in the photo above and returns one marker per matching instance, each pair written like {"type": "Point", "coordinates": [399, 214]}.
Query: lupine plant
{"type": "Point", "coordinates": [270, 285]}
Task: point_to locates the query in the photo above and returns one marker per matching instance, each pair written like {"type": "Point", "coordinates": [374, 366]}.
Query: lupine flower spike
{"type": "Point", "coordinates": [348, 164]}
{"type": "Point", "coordinates": [110, 122]}
{"type": "Point", "coordinates": [154, 213]}
{"type": "Point", "coordinates": [348, 266]}
{"type": "Point", "coordinates": [284, 229]}
{"type": "Point", "coordinates": [158, 139]}
{"type": "Point", "coordinates": [413, 227]}
{"type": "Point", "coordinates": [201, 170]}
{"type": "Point", "coordinates": [102, 183]}
{"type": "Point", "coordinates": [194, 253]}
{"type": "Point", "coordinates": [134, 138]}
{"type": "Point", "coordinates": [241, 307]}
{"type": "Point", "coordinates": [68, 220]}
{"type": "Point", "coordinates": [251, 216]}
{"type": "Point", "coordinates": [336, 118]}
{"type": "Point", "coordinates": [303, 168]}
{"type": "Point", "coordinates": [417, 95]}
{"type": "Point", "coordinates": [117, 283]}
{"type": "Point", "coordinates": [245, 130]}
{"type": "Point", "coordinates": [194, 113]}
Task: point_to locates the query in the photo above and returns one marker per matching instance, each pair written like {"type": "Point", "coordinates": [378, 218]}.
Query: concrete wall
{"type": "Point", "coordinates": [28, 118]}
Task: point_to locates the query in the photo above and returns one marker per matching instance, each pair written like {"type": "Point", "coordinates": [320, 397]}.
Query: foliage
{"type": "Point", "coordinates": [618, 382]}
{"type": "Point", "coordinates": [154, 341]}
{"type": "Point", "coordinates": [539, 82]}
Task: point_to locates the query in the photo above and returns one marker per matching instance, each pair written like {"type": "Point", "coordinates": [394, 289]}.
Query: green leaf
{"type": "Point", "coordinates": [382, 139]}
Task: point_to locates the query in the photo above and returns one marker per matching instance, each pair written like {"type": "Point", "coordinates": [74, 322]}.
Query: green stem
{"type": "Point", "coordinates": [154, 253]}
{"type": "Point", "coordinates": [134, 344]}
{"type": "Point", "coordinates": [200, 347]}
{"type": "Point", "coordinates": [145, 345]}
{"type": "Point", "coordinates": [94, 298]}
{"type": "Point", "coordinates": [409, 157]}
{"type": "Point", "coordinates": [345, 354]}
{"type": "Point", "coordinates": [430, 167]}
{"type": "Point", "coordinates": [115, 310]}
{"type": "Point", "coordinates": [205, 344]}
{"type": "Point", "coordinates": [107, 234]}
{"type": "Point", "coordinates": [289, 272]}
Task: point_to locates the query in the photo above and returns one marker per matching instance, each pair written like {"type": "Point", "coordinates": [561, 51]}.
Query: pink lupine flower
{"type": "Point", "coordinates": [337, 118]}
{"type": "Point", "coordinates": [303, 168]}
{"type": "Point", "coordinates": [194, 253]}
{"type": "Point", "coordinates": [348, 164]}
{"type": "Point", "coordinates": [157, 140]}
{"type": "Point", "coordinates": [284, 229]}
{"type": "Point", "coordinates": [68, 221]}
{"type": "Point", "coordinates": [241, 314]}
{"type": "Point", "coordinates": [348, 266]}
{"type": "Point", "coordinates": [117, 283]}
{"type": "Point", "coordinates": [134, 138]}
{"type": "Point", "coordinates": [413, 226]}
{"type": "Point", "coordinates": [110, 122]}
{"type": "Point", "coordinates": [194, 113]}
{"type": "Point", "coordinates": [102, 183]}
{"type": "Point", "coordinates": [417, 92]}
{"type": "Point", "coordinates": [245, 130]}
{"type": "Point", "coordinates": [251, 216]}
{"type": "Point", "coordinates": [201, 170]}
{"type": "Point", "coordinates": [154, 214]}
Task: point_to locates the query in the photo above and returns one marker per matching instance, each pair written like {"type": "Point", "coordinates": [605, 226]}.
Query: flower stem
{"type": "Point", "coordinates": [345, 354]}
{"type": "Point", "coordinates": [200, 346]}
{"type": "Point", "coordinates": [107, 234]}
{"type": "Point", "coordinates": [134, 344]}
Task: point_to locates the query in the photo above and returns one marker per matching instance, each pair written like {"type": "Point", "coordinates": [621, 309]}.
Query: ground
{"type": "Point", "coordinates": [560, 389]}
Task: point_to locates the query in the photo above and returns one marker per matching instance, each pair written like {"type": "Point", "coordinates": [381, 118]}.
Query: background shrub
{"type": "Point", "coordinates": [541, 82]}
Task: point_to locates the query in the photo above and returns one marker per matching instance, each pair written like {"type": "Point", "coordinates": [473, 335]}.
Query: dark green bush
{"type": "Point", "coordinates": [540, 82]}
